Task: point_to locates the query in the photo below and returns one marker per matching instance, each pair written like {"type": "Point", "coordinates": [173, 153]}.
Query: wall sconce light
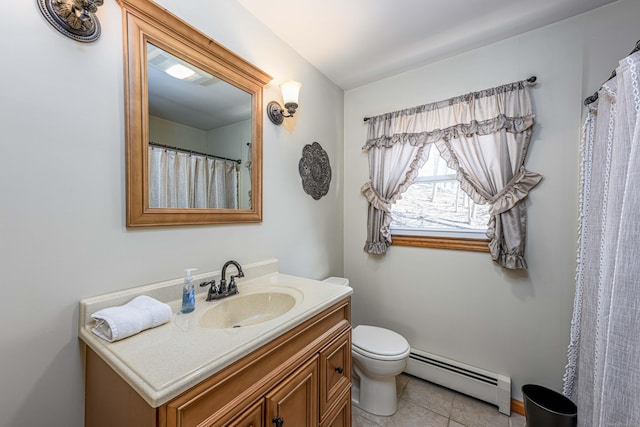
{"type": "Point", "coordinates": [290, 91]}
{"type": "Point", "coordinates": [75, 19]}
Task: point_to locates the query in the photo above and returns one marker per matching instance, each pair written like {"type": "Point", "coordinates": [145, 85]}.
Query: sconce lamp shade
{"type": "Point", "coordinates": [290, 91]}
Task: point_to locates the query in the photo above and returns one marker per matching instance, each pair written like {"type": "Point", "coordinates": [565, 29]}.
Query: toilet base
{"type": "Point", "coordinates": [377, 397]}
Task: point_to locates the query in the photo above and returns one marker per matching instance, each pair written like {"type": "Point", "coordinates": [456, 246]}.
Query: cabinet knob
{"type": "Point", "coordinates": [339, 369]}
{"type": "Point", "coordinates": [279, 422]}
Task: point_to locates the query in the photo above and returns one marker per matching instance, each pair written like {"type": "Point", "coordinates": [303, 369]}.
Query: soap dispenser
{"type": "Point", "coordinates": [188, 292]}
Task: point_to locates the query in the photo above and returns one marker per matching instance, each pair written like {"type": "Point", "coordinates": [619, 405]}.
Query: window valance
{"type": "Point", "coordinates": [484, 136]}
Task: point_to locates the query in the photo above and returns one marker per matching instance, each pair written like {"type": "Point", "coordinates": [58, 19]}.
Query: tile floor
{"type": "Point", "coordinates": [423, 404]}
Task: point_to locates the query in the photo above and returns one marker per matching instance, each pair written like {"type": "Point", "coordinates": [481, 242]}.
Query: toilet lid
{"type": "Point", "coordinates": [379, 343]}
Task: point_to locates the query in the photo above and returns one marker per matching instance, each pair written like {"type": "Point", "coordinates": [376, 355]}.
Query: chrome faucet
{"type": "Point", "coordinates": [223, 291]}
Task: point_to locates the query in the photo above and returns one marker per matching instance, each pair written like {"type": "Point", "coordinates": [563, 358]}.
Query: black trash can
{"type": "Point", "coordinates": [546, 408]}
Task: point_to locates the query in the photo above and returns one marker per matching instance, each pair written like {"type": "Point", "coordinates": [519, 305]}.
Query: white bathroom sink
{"type": "Point", "coordinates": [247, 309]}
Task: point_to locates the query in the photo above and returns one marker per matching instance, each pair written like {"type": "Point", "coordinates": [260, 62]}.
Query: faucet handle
{"type": "Point", "coordinates": [212, 290]}
{"type": "Point", "coordinates": [233, 286]}
{"type": "Point", "coordinates": [203, 284]}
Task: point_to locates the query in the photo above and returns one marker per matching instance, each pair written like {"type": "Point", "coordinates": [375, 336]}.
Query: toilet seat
{"type": "Point", "coordinates": [379, 343]}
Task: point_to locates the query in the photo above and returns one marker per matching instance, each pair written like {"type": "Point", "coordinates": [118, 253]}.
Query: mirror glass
{"type": "Point", "coordinates": [199, 137]}
{"type": "Point", "coordinates": [193, 124]}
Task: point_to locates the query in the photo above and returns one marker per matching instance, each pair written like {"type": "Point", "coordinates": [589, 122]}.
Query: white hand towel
{"type": "Point", "coordinates": [143, 312]}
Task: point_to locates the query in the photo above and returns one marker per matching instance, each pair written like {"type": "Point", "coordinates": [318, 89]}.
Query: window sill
{"type": "Point", "coordinates": [455, 243]}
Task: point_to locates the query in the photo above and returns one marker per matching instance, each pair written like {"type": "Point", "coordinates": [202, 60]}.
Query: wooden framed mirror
{"type": "Point", "coordinates": [193, 140]}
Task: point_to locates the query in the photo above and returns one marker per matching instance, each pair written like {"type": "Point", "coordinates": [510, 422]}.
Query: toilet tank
{"type": "Point", "coordinates": [337, 280]}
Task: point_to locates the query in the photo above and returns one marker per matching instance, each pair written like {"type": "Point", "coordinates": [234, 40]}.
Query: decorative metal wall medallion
{"type": "Point", "coordinates": [315, 170]}
{"type": "Point", "coordinates": [75, 19]}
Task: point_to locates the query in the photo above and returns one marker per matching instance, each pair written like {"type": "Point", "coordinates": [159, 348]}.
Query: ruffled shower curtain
{"type": "Point", "coordinates": [184, 180]}
{"type": "Point", "coordinates": [603, 373]}
{"type": "Point", "coordinates": [483, 136]}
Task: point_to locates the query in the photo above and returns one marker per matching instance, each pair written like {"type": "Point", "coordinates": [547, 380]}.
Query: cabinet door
{"type": "Point", "coordinates": [335, 371]}
{"type": "Point", "coordinates": [340, 414]}
{"type": "Point", "coordinates": [294, 402]}
{"type": "Point", "coordinates": [252, 417]}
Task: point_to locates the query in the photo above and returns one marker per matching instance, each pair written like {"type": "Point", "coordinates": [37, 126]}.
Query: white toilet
{"type": "Point", "coordinates": [378, 355]}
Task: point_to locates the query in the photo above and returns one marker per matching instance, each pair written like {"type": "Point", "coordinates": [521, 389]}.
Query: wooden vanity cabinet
{"type": "Point", "coordinates": [302, 377]}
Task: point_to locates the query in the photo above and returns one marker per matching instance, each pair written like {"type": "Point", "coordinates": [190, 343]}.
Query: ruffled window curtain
{"type": "Point", "coordinates": [184, 180]}
{"type": "Point", "coordinates": [603, 373]}
{"type": "Point", "coordinates": [483, 136]}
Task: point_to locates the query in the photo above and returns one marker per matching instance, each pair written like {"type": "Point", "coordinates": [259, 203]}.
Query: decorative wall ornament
{"type": "Point", "coordinates": [315, 170]}
{"type": "Point", "coordinates": [75, 19]}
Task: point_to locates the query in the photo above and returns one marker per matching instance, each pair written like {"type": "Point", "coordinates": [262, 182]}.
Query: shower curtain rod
{"type": "Point", "coordinates": [593, 98]}
{"type": "Point", "coordinates": [155, 144]}
{"type": "Point", "coordinates": [531, 80]}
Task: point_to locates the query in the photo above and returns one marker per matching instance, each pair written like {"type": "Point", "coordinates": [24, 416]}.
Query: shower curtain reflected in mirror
{"type": "Point", "coordinates": [184, 180]}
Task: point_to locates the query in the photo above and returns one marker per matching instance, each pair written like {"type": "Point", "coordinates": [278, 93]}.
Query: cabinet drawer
{"type": "Point", "coordinates": [335, 371]}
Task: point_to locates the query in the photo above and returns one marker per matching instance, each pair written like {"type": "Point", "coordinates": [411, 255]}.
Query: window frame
{"type": "Point", "coordinates": [440, 242]}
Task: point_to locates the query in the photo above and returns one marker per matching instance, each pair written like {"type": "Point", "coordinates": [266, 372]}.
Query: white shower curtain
{"type": "Point", "coordinates": [184, 180]}
{"type": "Point", "coordinates": [603, 373]}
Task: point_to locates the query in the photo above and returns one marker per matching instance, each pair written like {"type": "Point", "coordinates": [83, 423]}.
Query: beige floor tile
{"type": "Point", "coordinates": [429, 395]}
{"type": "Point", "coordinates": [475, 413]}
{"type": "Point", "coordinates": [423, 404]}
{"type": "Point", "coordinates": [375, 420]}
{"type": "Point", "coordinates": [411, 415]}
{"type": "Point", "coordinates": [358, 419]}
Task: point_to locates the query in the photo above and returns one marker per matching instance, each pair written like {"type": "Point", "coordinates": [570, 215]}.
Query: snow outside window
{"type": "Point", "coordinates": [434, 205]}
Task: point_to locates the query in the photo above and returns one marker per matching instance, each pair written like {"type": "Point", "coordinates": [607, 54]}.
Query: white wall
{"type": "Point", "coordinates": [174, 134]}
{"type": "Point", "coordinates": [231, 142]}
{"type": "Point", "coordinates": [458, 304]}
{"type": "Point", "coordinates": [62, 181]}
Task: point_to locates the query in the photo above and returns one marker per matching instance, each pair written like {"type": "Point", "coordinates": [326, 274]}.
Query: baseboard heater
{"type": "Point", "coordinates": [484, 385]}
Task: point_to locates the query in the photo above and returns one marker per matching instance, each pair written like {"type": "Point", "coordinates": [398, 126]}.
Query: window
{"type": "Point", "coordinates": [484, 136]}
{"type": "Point", "coordinates": [435, 212]}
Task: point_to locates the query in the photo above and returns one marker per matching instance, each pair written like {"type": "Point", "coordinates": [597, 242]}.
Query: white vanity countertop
{"type": "Point", "coordinates": [163, 362]}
